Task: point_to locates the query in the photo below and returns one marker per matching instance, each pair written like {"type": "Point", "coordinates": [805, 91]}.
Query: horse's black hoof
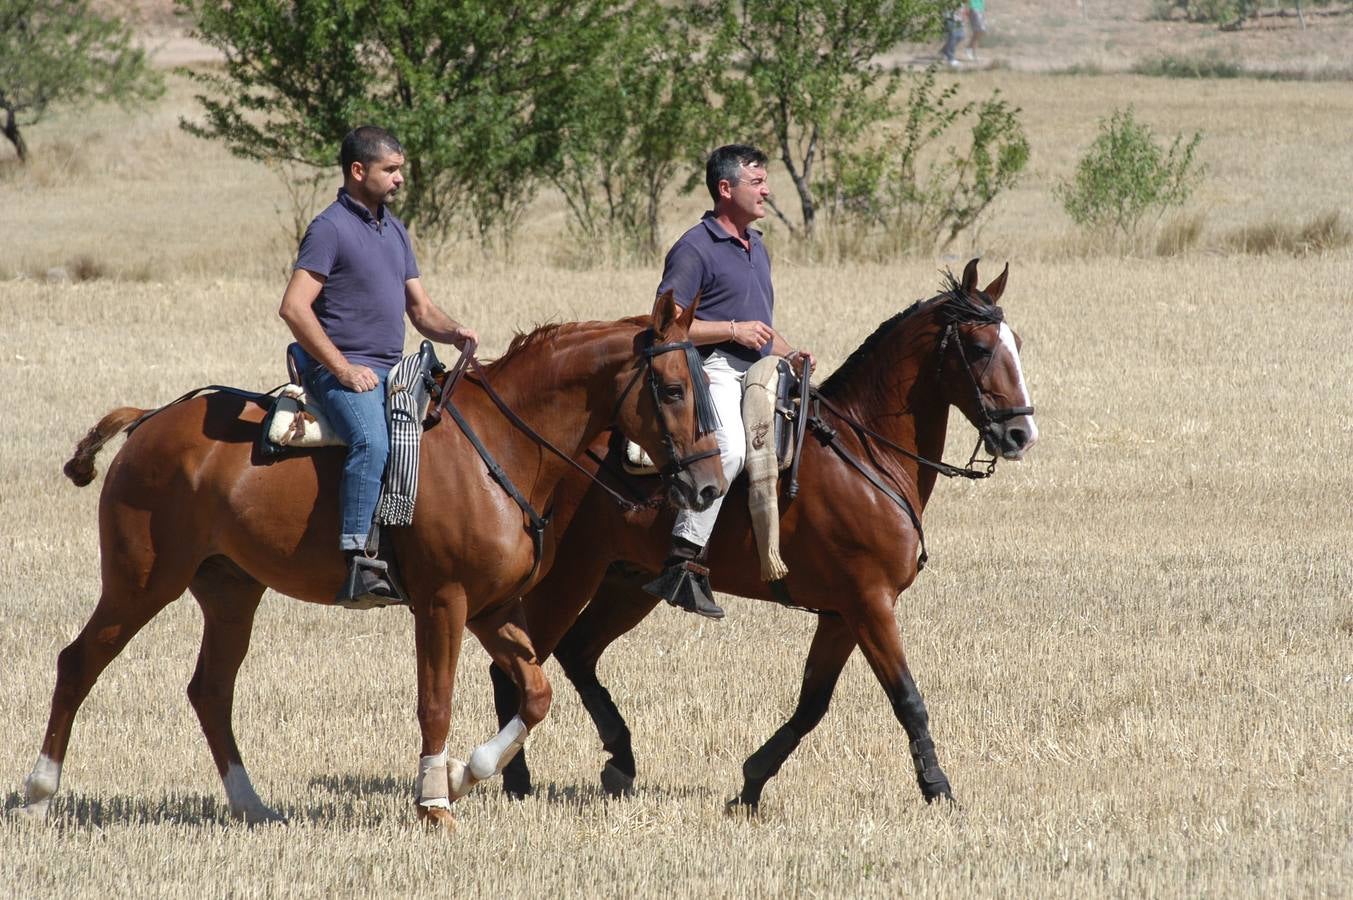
{"type": "Point", "coordinates": [739, 807]}
{"type": "Point", "coordinates": [616, 783]}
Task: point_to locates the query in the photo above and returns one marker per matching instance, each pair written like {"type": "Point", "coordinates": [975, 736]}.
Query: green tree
{"type": "Point", "coordinates": [1125, 175]}
{"type": "Point", "coordinates": [455, 80]}
{"type": "Point", "coordinates": [619, 131]}
{"type": "Point", "coordinates": [916, 183]}
{"type": "Point", "coordinates": [60, 52]}
{"type": "Point", "coordinates": [805, 76]}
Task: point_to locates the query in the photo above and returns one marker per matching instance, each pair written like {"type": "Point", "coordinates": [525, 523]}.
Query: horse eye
{"type": "Point", "coordinates": [673, 393]}
{"type": "Point", "coordinates": [979, 352]}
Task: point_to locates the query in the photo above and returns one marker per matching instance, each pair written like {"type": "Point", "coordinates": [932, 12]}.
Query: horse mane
{"type": "Point", "coordinates": [952, 304]}
{"type": "Point", "coordinates": [542, 334]}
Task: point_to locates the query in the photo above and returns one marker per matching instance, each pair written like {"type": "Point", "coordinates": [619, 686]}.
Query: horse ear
{"type": "Point", "coordinates": [997, 286]}
{"type": "Point", "coordinates": [688, 314]}
{"type": "Point", "coordinates": [665, 312]}
{"type": "Point", "coordinates": [970, 276]}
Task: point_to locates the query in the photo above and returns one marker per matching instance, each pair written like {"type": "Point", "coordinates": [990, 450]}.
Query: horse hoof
{"type": "Point", "coordinates": [942, 794]}
{"type": "Point", "coordinates": [738, 807]}
{"type": "Point", "coordinates": [437, 817]}
{"type": "Point", "coordinates": [32, 814]}
{"type": "Point", "coordinates": [258, 815]}
{"type": "Point", "coordinates": [616, 783]}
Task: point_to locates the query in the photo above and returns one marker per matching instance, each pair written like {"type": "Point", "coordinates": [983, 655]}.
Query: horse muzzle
{"type": "Point", "coordinates": [686, 491]}
{"type": "Point", "coordinates": [1010, 439]}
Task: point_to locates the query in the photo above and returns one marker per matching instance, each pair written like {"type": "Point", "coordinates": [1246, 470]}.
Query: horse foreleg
{"type": "Point", "coordinates": [503, 635]}
{"type": "Point", "coordinates": [229, 598]}
{"type": "Point", "coordinates": [438, 628]}
{"type": "Point", "coordinates": [618, 607]}
{"type": "Point", "coordinates": [832, 645]}
{"type": "Point", "coordinates": [123, 610]}
{"type": "Point", "coordinates": [876, 631]}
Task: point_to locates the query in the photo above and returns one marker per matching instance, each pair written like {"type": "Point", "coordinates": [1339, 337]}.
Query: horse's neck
{"type": "Point", "coordinates": [906, 405]}
{"type": "Point", "coordinates": [568, 400]}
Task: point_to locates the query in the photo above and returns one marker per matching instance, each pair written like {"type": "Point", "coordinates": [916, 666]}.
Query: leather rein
{"type": "Point", "coordinates": [538, 521]}
{"type": "Point", "coordinates": [828, 436]}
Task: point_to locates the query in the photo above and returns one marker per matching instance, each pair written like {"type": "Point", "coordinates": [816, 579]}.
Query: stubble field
{"type": "Point", "coordinates": [1137, 646]}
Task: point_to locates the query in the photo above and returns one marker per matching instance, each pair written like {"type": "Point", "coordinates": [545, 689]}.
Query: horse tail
{"type": "Point", "coordinates": [80, 467]}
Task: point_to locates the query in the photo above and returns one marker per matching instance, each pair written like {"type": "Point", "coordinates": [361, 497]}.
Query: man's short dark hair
{"type": "Point", "coordinates": [366, 145]}
{"type": "Point", "coordinates": [725, 164]}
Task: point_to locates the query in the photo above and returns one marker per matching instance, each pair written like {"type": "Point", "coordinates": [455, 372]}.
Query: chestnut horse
{"type": "Point", "coordinates": [187, 504]}
{"type": "Point", "coordinates": [851, 549]}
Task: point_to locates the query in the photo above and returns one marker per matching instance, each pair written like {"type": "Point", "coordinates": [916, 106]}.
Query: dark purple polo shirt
{"type": "Point", "coordinates": [733, 282]}
{"type": "Point", "coordinates": [365, 262]}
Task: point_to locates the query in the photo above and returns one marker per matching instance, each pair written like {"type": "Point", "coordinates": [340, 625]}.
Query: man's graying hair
{"type": "Point", "coordinates": [366, 145]}
{"type": "Point", "coordinates": [724, 165]}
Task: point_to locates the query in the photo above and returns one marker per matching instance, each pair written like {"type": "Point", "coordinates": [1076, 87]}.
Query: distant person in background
{"type": "Point", "coordinates": [953, 33]}
{"type": "Point", "coordinates": [977, 25]}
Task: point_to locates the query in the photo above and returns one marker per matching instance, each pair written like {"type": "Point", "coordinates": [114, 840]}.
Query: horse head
{"type": "Point", "coordinates": [673, 417]}
{"type": "Point", "coordinates": [980, 365]}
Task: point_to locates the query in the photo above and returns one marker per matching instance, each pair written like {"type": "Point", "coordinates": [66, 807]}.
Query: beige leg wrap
{"type": "Point", "coordinates": [433, 786]}
{"type": "Point", "coordinates": [758, 415]}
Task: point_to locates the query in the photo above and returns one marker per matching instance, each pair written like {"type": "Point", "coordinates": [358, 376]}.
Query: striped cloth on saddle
{"type": "Point", "coordinates": [296, 423]}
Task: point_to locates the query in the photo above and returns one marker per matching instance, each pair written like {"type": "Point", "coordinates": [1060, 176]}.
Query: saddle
{"type": "Point", "coordinates": [774, 428]}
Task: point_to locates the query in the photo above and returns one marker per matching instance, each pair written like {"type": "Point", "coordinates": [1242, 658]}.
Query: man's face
{"type": "Point", "coordinates": [747, 199]}
{"type": "Point", "coordinates": [381, 178]}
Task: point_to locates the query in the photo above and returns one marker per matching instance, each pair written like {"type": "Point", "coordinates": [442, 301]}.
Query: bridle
{"type": "Point", "coordinates": [705, 415]}
{"type": "Point", "coordinates": [990, 417]}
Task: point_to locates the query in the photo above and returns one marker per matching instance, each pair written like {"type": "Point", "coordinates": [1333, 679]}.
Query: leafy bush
{"type": "Point", "coordinates": [911, 189]}
{"type": "Point", "coordinates": [1189, 66]}
{"type": "Point", "coordinates": [1125, 175]}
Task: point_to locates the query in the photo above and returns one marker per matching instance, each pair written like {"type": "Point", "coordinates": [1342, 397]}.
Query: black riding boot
{"type": "Point", "coordinates": [684, 581]}
{"type": "Point", "coordinates": [367, 585]}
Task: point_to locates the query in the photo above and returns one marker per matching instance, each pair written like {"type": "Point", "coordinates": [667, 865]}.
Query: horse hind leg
{"type": "Point", "coordinates": [620, 604]}
{"type": "Point", "coordinates": [229, 599]}
{"type": "Point", "coordinates": [123, 609]}
{"type": "Point", "coordinates": [832, 645]}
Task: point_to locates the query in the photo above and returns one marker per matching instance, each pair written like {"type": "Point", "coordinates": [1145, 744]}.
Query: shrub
{"type": "Point", "coordinates": [915, 188]}
{"type": "Point", "coordinates": [1125, 175]}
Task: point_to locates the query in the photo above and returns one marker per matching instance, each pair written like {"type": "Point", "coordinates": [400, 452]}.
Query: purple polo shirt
{"type": "Point", "coordinates": [733, 282]}
{"type": "Point", "coordinates": [365, 261]}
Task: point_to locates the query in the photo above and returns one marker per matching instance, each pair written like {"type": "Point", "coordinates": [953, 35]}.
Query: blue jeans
{"type": "Point", "coordinates": [359, 418]}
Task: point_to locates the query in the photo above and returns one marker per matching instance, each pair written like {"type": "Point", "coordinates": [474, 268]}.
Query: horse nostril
{"type": "Point", "coordinates": [1018, 437]}
{"type": "Point", "coordinates": [708, 494]}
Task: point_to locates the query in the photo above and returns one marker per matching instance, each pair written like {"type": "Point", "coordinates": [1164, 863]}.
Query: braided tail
{"type": "Point", "coordinates": [80, 467]}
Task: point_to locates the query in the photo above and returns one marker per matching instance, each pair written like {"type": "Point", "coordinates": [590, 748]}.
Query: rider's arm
{"type": "Point", "coordinates": [429, 319]}
{"type": "Point", "coordinates": [781, 347]}
{"type": "Point", "coordinates": [297, 310]}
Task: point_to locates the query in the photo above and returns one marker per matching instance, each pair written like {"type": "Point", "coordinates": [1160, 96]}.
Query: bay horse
{"type": "Point", "coordinates": [188, 504]}
{"type": "Point", "coordinates": [851, 549]}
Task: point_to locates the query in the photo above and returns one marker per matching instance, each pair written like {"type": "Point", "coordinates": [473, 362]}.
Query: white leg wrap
{"type": "Point", "coordinates": [459, 779]}
{"type": "Point", "coordinates": [244, 801]}
{"type": "Point", "coordinates": [40, 786]}
{"type": "Point", "coordinates": [489, 758]}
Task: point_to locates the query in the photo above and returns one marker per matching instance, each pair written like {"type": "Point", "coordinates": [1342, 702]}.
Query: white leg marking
{"type": "Point", "coordinates": [459, 779]}
{"type": "Point", "coordinates": [1008, 341]}
{"type": "Point", "coordinates": [39, 787]}
{"type": "Point", "coordinates": [489, 758]}
{"type": "Point", "coordinates": [245, 803]}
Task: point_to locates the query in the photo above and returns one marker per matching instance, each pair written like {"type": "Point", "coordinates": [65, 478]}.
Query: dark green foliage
{"type": "Point", "coordinates": [1125, 175]}
{"type": "Point", "coordinates": [802, 77]}
{"type": "Point", "coordinates": [912, 196]}
{"type": "Point", "coordinates": [60, 52]}
{"type": "Point", "coordinates": [455, 80]}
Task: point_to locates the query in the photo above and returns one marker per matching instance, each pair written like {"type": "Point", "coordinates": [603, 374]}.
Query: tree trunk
{"type": "Point", "coordinates": [12, 132]}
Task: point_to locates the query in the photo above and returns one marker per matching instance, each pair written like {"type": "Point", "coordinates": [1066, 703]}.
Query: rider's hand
{"type": "Point", "coordinates": [462, 336]}
{"type": "Point", "coordinates": [753, 335]}
{"type": "Point", "coordinates": [357, 378]}
{"type": "Point", "coordinates": [797, 357]}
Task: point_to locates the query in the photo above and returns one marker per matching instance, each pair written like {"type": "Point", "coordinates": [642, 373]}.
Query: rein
{"type": "Point", "coordinates": [539, 522]}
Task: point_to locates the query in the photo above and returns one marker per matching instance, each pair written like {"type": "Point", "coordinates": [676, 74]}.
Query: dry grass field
{"type": "Point", "coordinates": [1137, 646]}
